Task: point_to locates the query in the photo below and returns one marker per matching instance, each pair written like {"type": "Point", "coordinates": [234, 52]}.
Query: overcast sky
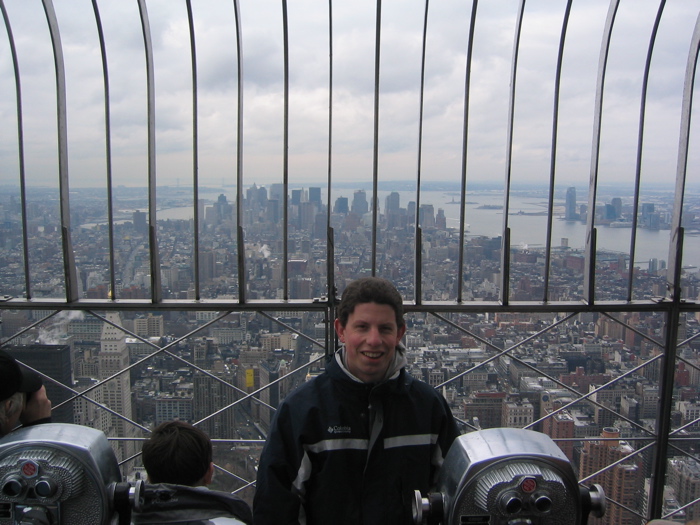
{"type": "Point", "coordinates": [353, 90]}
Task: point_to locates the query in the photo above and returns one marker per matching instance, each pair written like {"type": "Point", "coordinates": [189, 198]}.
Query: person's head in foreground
{"type": "Point", "coordinates": [17, 386]}
{"type": "Point", "coordinates": [370, 324]}
{"type": "Point", "coordinates": [178, 453]}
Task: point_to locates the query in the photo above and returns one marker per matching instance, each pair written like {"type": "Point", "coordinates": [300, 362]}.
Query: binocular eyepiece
{"type": "Point", "coordinates": [507, 476]}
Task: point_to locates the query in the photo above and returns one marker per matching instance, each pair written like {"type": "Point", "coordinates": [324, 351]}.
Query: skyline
{"type": "Point", "coordinates": [353, 92]}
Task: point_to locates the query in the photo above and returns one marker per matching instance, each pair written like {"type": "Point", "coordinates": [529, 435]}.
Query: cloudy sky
{"type": "Point", "coordinates": [353, 90]}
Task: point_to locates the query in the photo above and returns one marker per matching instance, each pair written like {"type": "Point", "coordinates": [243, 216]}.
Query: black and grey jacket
{"type": "Point", "coordinates": [183, 505]}
{"type": "Point", "coordinates": [344, 452]}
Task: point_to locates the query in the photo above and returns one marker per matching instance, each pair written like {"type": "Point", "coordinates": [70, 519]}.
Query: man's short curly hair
{"type": "Point", "coordinates": [370, 290]}
{"type": "Point", "coordinates": [178, 453]}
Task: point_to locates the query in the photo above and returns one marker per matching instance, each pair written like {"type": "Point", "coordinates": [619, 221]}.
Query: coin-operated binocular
{"type": "Point", "coordinates": [68, 474]}
{"type": "Point", "coordinates": [507, 476]}
{"type": "Point", "coordinates": [56, 473]}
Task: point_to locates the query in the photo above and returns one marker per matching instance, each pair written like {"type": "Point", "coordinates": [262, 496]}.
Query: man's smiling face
{"type": "Point", "coordinates": [370, 337]}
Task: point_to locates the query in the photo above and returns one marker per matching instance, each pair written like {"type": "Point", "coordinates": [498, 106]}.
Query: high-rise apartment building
{"type": "Point", "coordinates": [684, 477]}
{"type": "Point", "coordinates": [570, 206]}
{"type": "Point", "coordinates": [211, 394]}
{"type": "Point", "coordinates": [560, 427]}
{"type": "Point", "coordinates": [149, 326]}
{"type": "Point", "coordinates": [622, 482]}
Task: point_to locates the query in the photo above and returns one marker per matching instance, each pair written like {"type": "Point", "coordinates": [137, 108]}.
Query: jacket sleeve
{"type": "Point", "coordinates": [276, 500]}
{"type": "Point", "coordinates": [448, 432]}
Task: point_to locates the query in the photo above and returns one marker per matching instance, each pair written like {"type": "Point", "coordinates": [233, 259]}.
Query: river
{"type": "Point", "coordinates": [527, 221]}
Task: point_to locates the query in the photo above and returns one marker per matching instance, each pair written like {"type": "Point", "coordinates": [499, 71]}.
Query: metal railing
{"type": "Point", "coordinates": [442, 271]}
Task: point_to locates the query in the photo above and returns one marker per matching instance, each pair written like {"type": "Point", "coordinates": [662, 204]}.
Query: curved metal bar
{"type": "Point", "coordinates": [640, 144]}
{"type": "Point", "coordinates": [505, 249]}
{"type": "Point", "coordinates": [553, 157]}
{"type": "Point", "coordinates": [589, 266]}
{"type": "Point", "coordinates": [331, 340]}
{"type": "Point", "coordinates": [375, 153]}
{"type": "Point", "coordinates": [195, 150]}
{"type": "Point", "coordinates": [156, 288]}
{"type": "Point", "coordinates": [20, 147]}
{"type": "Point", "coordinates": [674, 283]}
{"type": "Point", "coordinates": [108, 150]}
{"type": "Point", "coordinates": [674, 255]}
{"type": "Point", "coordinates": [240, 245]}
{"type": "Point", "coordinates": [285, 157]}
{"type": "Point", "coordinates": [330, 275]}
{"type": "Point", "coordinates": [418, 265]}
{"type": "Point", "coordinates": [330, 113]}
{"type": "Point", "coordinates": [69, 269]}
{"type": "Point", "coordinates": [465, 143]}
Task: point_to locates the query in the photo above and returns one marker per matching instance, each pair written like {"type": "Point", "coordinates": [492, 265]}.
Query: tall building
{"type": "Point", "coordinates": [211, 394]}
{"type": "Point", "coordinates": [307, 214]}
{"type": "Point", "coordinates": [87, 328]}
{"type": "Point", "coordinates": [616, 203]}
{"type": "Point", "coordinates": [13, 321]}
{"type": "Point", "coordinates": [517, 413]}
{"type": "Point", "coordinates": [173, 406]}
{"type": "Point", "coordinates": [392, 202]}
{"type": "Point", "coordinates": [560, 427]}
{"type": "Point", "coordinates": [297, 197]}
{"type": "Point", "coordinates": [360, 206]}
{"type": "Point", "coordinates": [55, 362]}
{"type": "Point", "coordinates": [623, 482]}
{"type": "Point", "coordinates": [269, 372]}
{"type": "Point", "coordinates": [426, 216]}
{"type": "Point", "coordinates": [140, 223]}
{"type": "Point", "coordinates": [315, 196]}
{"type": "Point", "coordinates": [684, 477]}
{"type": "Point", "coordinates": [116, 393]}
{"type": "Point", "coordinates": [484, 408]}
{"type": "Point", "coordinates": [149, 326]}
{"type": "Point", "coordinates": [441, 220]}
{"type": "Point", "coordinates": [207, 266]}
{"type": "Point", "coordinates": [570, 207]}
{"type": "Point", "coordinates": [86, 410]}
{"type": "Point", "coordinates": [341, 205]}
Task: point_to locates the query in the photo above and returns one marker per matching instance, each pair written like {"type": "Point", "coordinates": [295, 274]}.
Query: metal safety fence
{"type": "Point", "coordinates": [188, 187]}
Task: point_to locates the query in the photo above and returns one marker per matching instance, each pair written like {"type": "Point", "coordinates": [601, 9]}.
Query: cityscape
{"type": "Point", "coordinates": [228, 371]}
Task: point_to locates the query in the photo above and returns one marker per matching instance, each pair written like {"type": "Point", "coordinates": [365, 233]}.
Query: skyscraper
{"type": "Point", "coordinates": [570, 214]}
{"type": "Point", "coordinates": [392, 202]}
{"type": "Point", "coordinates": [684, 477]}
{"type": "Point", "coordinates": [116, 393]}
{"type": "Point", "coordinates": [315, 196]}
{"type": "Point", "coordinates": [623, 482]}
{"type": "Point", "coordinates": [341, 205]}
{"type": "Point", "coordinates": [426, 216]}
{"type": "Point", "coordinates": [359, 203]}
{"type": "Point", "coordinates": [210, 395]}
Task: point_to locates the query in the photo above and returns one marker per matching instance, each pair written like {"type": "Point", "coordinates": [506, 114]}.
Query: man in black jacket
{"type": "Point", "coordinates": [353, 444]}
